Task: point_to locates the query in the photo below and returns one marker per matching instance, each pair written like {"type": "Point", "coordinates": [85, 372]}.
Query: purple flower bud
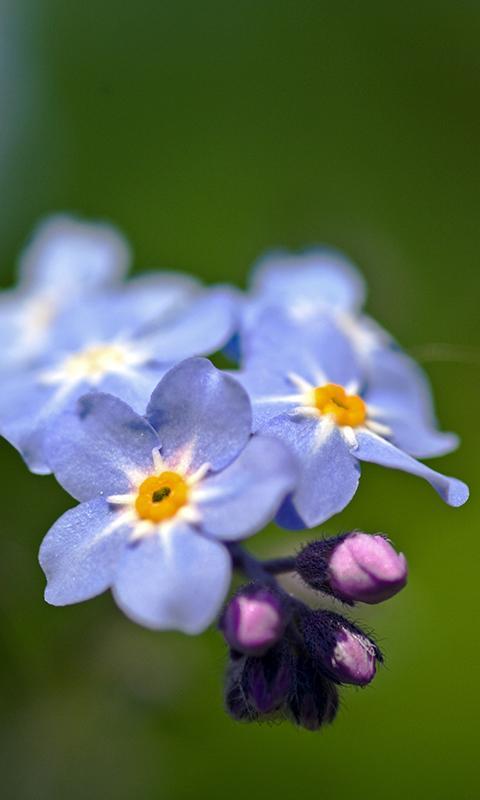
{"type": "Point", "coordinates": [254, 620]}
{"type": "Point", "coordinates": [353, 567]}
{"type": "Point", "coordinates": [268, 680]}
{"type": "Point", "coordinates": [237, 704]}
{"type": "Point", "coordinates": [366, 568]}
{"type": "Point", "coordinates": [314, 702]}
{"type": "Point", "coordinates": [343, 652]}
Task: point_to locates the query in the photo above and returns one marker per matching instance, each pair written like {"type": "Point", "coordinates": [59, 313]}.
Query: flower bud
{"type": "Point", "coordinates": [254, 620]}
{"type": "Point", "coordinates": [354, 567]}
{"type": "Point", "coordinates": [366, 568]}
{"type": "Point", "coordinates": [237, 703]}
{"type": "Point", "coordinates": [314, 702]}
{"type": "Point", "coordinates": [268, 680]}
{"type": "Point", "coordinates": [343, 652]}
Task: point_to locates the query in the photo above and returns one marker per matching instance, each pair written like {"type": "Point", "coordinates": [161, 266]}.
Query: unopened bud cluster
{"type": "Point", "coordinates": [286, 659]}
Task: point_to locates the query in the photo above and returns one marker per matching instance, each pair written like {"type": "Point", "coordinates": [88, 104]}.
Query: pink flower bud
{"type": "Point", "coordinates": [366, 568]}
{"type": "Point", "coordinates": [353, 659]}
{"type": "Point", "coordinates": [342, 650]}
{"type": "Point", "coordinates": [254, 620]}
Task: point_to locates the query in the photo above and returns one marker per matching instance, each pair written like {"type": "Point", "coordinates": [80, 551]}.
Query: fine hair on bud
{"type": "Point", "coordinates": [354, 567]}
{"type": "Point", "coordinates": [314, 699]}
{"type": "Point", "coordinates": [342, 651]}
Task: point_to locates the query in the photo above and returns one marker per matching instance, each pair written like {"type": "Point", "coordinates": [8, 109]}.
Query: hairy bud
{"type": "Point", "coordinates": [314, 701]}
{"type": "Point", "coordinates": [343, 652]}
{"type": "Point", "coordinates": [254, 620]}
{"type": "Point", "coordinates": [354, 567]}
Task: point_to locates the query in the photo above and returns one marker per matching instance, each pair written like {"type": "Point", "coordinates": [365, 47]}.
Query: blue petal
{"type": "Point", "coordinates": [317, 351]}
{"type": "Point", "coordinates": [158, 295]}
{"type": "Point", "coordinates": [244, 497]}
{"type": "Point", "coordinates": [232, 350]}
{"type": "Point", "coordinates": [19, 344]}
{"type": "Point", "coordinates": [377, 450]}
{"type": "Point", "coordinates": [26, 410]}
{"type": "Point", "coordinates": [199, 410]}
{"type": "Point", "coordinates": [399, 389]}
{"type": "Point", "coordinates": [270, 394]}
{"type": "Point", "coordinates": [72, 257]}
{"type": "Point", "coordinates": [80, 553]}
{"type": "Point", "coordinates": [97, 447]}
{"type": "Point", "coordinates": [134, 388]}
{"type": "Point", "coordinates": [127, 312]}
{"type": "Point", "coordinates": [29, 408]}
{"type": "Point", "coordinates": [166, 318]}
{"type": "Point", "coordinates": [201, 328]}
{"type": "Point", "coordinates": [288, 517]}
{"type": "Point", "coordinates": [328, 473]}
{"type": "Point", "coordinates": [173, 579]}
{"type": "Point", "coordinates": [419, 440]}
{"type": "Point", "coordinates": [319, 277]}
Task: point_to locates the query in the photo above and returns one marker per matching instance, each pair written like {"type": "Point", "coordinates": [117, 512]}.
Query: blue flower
{"type": "Point", "coordinates": [318, 281]}
{"type": "Point", "coordinates": [159, 496]}
{"type": "Point", "coordinates": [66, 261]}
{"type": "Point", "coordinates": [121, 341]}
{"type": "Point", "coordinates": [308, 388]}
{"type": "Point", "coordinates": [322, 283]}
{"type": "Point", "coordinates": [304, 284]}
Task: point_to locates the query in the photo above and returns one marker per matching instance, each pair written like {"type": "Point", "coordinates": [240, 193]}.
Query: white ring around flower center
{"type": "Point", "coordinates": [93, 363]}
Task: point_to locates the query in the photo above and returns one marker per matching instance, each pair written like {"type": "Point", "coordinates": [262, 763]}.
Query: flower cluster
{"type": "Point", "coordinates": [174, 462]}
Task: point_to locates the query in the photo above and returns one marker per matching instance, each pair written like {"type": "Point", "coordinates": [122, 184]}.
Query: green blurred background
{"type": "Point", "coordinates": [209, 132]}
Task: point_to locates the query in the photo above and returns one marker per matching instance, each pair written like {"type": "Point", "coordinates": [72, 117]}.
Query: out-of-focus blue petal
{"type": "Point", "coordinates": [399, 389]}
{"type": "Point", "coordinates": [26, 409]}
{"type": "Point", "coordinates": [318, 351]}
{"type": "Point", "coordinates": [167, 319]}
{"type": "Point", "coordinates": [96, 448]}
{"type": "Point", "coordinates": [288, 517]}
{"type": "Point", "coordinates": [135, 387]}
{"type": "Point", "coordinates": [305, 283]}
{"type": "Point", "coordinates": [27, 326]}
{"type": "Point", "coordinates": [418, 440]}
{"type": "Point", "coordinates": [200, 328]}
{"type": "Point", "coordinates": [73, 257]}
{"type": "Point", "coordinates": [397, 384]}
{"type": "Point", "coordinates": [244, 497]}
{"type": "Point", "coordinates": [133, 308]}
{"type": "Point", "coordinates": [201, 413]}
{"type": "Point", "coordinates": [271, 394]}
{"type": "Point", "coordinates": [365, 334]}
{"type": "Point", "coordinates": [80, 553]}
{"type": "Point", "coordinates": [174, 579]}
{"type": "Point", "coordinates": [233, 348]}
{"type": "Point", "coordinates": [377, 450]}
{"type": "Point", "coordinates": [328, 473]}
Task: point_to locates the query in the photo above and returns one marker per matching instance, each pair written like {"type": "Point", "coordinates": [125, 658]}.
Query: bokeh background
{"type": "Point", "coordinates": [209, 132]}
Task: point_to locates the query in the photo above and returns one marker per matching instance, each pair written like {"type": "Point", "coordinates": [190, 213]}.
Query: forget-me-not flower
{"type": "Point", "coordinates": [316, 282]}
{"type": "Point", "coordinates": [320, 282]}
{"type": "Point", "coordinates": [318, 279]}
{"type": "Point", "coordinates": [66, 260]}
{"type": "Point", "coordinates": [307, 387]}
{"type": "Point", "coordinates": [120, 341]}
{"type": "Point", "coordinates": [159, 496]}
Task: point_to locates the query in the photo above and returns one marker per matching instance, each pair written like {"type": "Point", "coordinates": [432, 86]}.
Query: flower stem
{"type": "Point", "coordinates": [262, 571]}
{"type": "Point", "coordinates": [276, 566]}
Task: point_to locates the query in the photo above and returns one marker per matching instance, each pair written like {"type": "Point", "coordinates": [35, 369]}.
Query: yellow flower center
{"type": "Point", "coordinates": [347, 409]}
{"type": "Point", "coordinates": [95, 361]}
{"type": "Point", "coordinates": [161, 496]}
